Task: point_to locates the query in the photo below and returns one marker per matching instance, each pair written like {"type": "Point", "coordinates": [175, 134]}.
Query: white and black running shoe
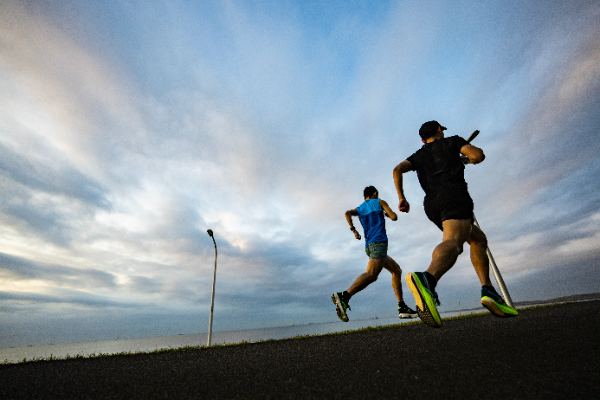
{"type": "Point", "coordinates": [406, 312]}
{"type": "Point", "coordinates": [341, 305]}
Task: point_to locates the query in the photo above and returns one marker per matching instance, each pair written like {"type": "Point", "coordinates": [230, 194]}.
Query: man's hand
{"type": "Point", "coordinates": [400, 169]}
{"type": "Point", "coordinates": [404, 206]}
{"type": "Point", "coordinates": [349, 215]}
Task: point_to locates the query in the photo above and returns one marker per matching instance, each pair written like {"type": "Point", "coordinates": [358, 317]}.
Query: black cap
{"type": "Point", "coordinates": [429, 128]}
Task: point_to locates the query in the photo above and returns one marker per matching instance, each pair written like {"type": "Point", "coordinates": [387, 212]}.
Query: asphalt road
{"type": "Point", "coordinates": [545, 353]}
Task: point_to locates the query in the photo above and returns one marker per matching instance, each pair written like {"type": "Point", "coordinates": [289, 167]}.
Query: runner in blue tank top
{"type": "Point", "coordinates": [371, 214]}
{"type": "Point", "coordinates": [371, 218]}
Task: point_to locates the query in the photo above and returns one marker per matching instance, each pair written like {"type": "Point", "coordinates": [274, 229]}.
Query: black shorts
{"type": "Point", "coordinates": [448, 204]}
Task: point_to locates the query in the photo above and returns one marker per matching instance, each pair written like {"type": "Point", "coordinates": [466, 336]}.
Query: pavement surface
{"type": "Point", "coordinates": [545, 353]}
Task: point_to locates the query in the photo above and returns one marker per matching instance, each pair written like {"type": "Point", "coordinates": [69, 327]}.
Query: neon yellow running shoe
{"type": "Point", "coordinates": [496, 304]}
{"type": "Point", "coordinates": [425, 299]}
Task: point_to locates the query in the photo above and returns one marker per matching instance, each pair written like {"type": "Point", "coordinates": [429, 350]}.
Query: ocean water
{"type": "Point", "coordinates": [18, 354]}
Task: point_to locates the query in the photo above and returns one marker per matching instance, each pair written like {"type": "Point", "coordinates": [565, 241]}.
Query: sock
{"type": "Point", "coordinates": [401, 304]}
{"type": "Point", "coordinates": [488, 290]}
{"type": "Point", "coordinates": [431, 280]}
{"type": "Point", "coordinates": [346, 296]}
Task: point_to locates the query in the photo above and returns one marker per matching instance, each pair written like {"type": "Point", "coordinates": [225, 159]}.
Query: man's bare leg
{"type": "Point", "coordinates": [392, 266]}
{"type": "Point", "coordinates": [456, 233]}
{"type": "Point", "coordinates": [479, 258]}
{"type": "Point", "coordinates": [374, 267]}
{"type": "Point", "coordinates": [481, 262]}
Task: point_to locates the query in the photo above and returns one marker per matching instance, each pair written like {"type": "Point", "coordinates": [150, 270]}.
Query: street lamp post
{"type": "Point", "coordinates": [212, 297]}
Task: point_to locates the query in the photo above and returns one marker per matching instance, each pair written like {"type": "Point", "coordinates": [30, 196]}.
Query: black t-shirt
{"type": "Point", "coordinates": [438, 165]}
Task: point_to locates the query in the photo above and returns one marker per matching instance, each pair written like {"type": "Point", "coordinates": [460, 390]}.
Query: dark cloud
{"type": "Point", "coordinates": [72, 298]}
{"type": "Point", "coordinates": [182, 225]}
{"type": "Point", "coordinates": [48, 198]}
{"type": "Point", "coordinates": [144, 285]}
{"type": "Point", "coordinates": [567, 204]}
{"type": "Point", "coordinates": [61, 276]}
{"type": "Point", "coordinates": [577, 277]}
{"type": "Point", "coordinates": [51, 175]}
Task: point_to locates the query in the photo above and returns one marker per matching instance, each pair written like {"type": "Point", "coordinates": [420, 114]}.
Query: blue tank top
{"type": "Point", "coordinates": [372, 220]}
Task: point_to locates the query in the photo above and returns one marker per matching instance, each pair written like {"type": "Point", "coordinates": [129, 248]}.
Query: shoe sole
{"type": "Point", "coordinates": [339, 308]}
{"type": "Point", "coordinates": [408, 316]}
{"type": "Point", "coordinates": [426, 309]}
{"type": "Point", "coordinates": [498, 310]}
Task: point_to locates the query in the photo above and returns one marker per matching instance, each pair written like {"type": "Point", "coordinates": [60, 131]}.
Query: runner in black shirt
{"type": "Point", "coordinates": [440, 169]}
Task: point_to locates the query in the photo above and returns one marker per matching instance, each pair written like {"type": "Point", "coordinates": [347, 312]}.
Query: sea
{"type": "Point", "coordinates": [15, 355]}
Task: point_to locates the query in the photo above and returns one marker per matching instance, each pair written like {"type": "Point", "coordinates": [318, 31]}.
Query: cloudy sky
{"type": "Point", "coordinates": [129, 128]}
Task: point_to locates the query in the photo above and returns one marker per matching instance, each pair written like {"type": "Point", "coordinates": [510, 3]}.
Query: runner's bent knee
{"type": "Point", "coordinates": [372, 276]}
{"type": "Point", "coordinates": [373, 271]}
{"type": "Point", "coordinates": [374, 267]}
{"type": "Point", "coordinates": [392, 266]}
{"type": "Point", "coordinates": [456, 244]}
{"type": "Point", "coordinates": [477, 237]}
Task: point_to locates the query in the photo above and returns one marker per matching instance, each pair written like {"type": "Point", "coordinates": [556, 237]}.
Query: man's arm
{"type": "Point", "coordinates": [388, 211]}
{"type": "Point", "coordinates": [400, 169]}
{"type": "Point", "coordinates": [474, 154]}
{"type": "Point", "coordinates": [349, 215]}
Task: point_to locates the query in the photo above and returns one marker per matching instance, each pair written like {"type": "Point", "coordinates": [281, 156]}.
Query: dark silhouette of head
{"type": "Point", "coordinates": [429, 129]}
{"type": "Point", "coordinates": [369, 191]}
